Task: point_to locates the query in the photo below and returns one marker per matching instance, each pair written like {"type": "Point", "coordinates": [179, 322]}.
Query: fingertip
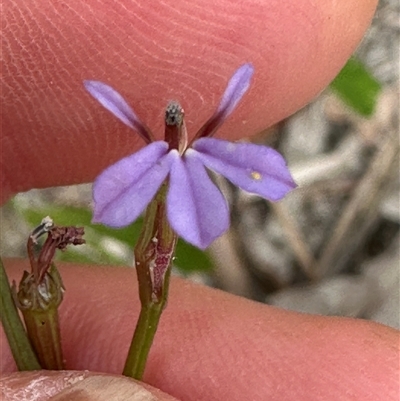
{"type": "Point", "coordinates": [296, 48]}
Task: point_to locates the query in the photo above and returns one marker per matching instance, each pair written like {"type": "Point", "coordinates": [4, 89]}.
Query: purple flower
{"type": "Point", "coordinates": [196, 209]}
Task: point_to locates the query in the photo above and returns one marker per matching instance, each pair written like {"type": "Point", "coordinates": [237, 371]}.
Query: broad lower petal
{"type": "Point", "coordinates": [254, 168]}
{"type": "Point", "coordinates": [123, 190]}
{"type": "Point", "coordinates": [115, 103]}
{"type": "Point", "coordinates": [197, 211]}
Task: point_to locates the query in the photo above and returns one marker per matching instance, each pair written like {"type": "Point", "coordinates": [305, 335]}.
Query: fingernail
{"type": "Point", "coordinates": [37, 386]}
{"type": "Point", "coordinates": [105, 388]}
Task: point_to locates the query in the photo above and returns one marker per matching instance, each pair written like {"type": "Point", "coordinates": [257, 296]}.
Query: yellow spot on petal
{"type": "Point", "coordinates": [255, 175]}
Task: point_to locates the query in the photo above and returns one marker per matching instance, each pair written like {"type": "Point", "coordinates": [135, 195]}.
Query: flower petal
{"type": "Point", "coordinates": [122, 191]}
{"type": "Point", "coordinates": [237, 87]}
{"type": "Point", "coordinates": [254, 168]}
{"type": "Point", "coordinates": [196, 209]}
{"type": "Point", "coordinates": [115, 103]}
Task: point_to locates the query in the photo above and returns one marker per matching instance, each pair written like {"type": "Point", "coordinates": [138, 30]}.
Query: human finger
{"type": "Point", "coordinates": [54, 133]}
{"type": "Point", "coordinates": [215, 346]}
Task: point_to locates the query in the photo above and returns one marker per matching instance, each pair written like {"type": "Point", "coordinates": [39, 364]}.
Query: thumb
{"type": "Point", "coordinates": [76, 386]}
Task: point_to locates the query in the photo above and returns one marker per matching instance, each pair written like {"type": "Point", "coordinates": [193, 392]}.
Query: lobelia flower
{"type": "Point", "coordinates": [196, 209]}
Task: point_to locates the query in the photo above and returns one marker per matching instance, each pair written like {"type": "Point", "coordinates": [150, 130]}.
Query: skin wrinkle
{"type": "Point", "coordinates": [201, 33]}
{"type": "Point", "coordinates": [88, 329]}
{"type": "Point", "coordinates": [163, 83]}
{"type": "Point", "coordinates": [197, 356]}
{"type": "Point", "coordinates": [149, 21]}
{"type": "Point", "coordinates": [136, 31]}
{"type": "Point", "coordinates": [28, 113]}
{"type": "Point", "coordinates": [32, 39]}
{"type": "Point", "coordinates": [9, 61]}
{"type": "Point", "coordinates": [106, 34]}
{"type": "Point", "coordinates": [109, 61]}
{"type": "Point", "coordinates": [87, 55]}
{"type": "Point", "coordinates": [189, 30]}
{"type": "Point", "coordinates": [247, 365]}
{"type": "Point", "coordinates": [341, 25]}
{"type": "Point", "coordinates": [171, 88]}
{"type": "Point", "coordinates": [118, 59]}
{"type": "Point", "coordinates": [86, 146]}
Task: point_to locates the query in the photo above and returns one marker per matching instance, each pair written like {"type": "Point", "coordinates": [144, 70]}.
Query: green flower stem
{"type": "Point", "coordinates": [21, 348]}
{"type": "Point", "coordinates": [39, 304]}
{"type": "Point", "coordinates": [142, 340]}
{"type": "Point", "coordinates": [43, 329]}
{"type": "Point", "coordinates": [153, 259]}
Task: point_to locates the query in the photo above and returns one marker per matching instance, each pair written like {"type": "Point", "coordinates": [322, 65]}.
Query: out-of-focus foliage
{"type": "Point", "coordinates": [105, 245]}
{"type": "Point", "coordinates": [357, 87]}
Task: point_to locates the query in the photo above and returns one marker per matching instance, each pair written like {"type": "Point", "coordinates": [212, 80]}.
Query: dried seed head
{"type": "Point", "coordinates": [63, 236]}
{"type": "Point", "coordinates": [44, 227]}
{"type": "Point", "coordinates": [58, 238]}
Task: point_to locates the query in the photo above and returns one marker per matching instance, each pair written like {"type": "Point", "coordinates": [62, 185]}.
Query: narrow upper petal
{"type": "Point", "coordinates": [115, 103]}
{"type": "Point", "coordinates": [196, 209]}
{"type": "Point", "coordinates": [122, 191]}
{"type": "Point", "coordinates": [237, 87]}
{"type": "Point", "coordinates": [254, 168]}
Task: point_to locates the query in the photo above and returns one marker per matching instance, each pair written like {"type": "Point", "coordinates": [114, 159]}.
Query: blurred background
{"type": "Point", "coordinates": [331, 247]}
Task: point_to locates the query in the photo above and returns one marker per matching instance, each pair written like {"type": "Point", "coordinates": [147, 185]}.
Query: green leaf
{"type": "Point", "coordinates": [96, 236]}
{"type": "Point", "coordinates": [357, 87]}
{"type": "Point", "coordinates": [100, 239]}
{"type": "Point", "coordinates": [190, 259]}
